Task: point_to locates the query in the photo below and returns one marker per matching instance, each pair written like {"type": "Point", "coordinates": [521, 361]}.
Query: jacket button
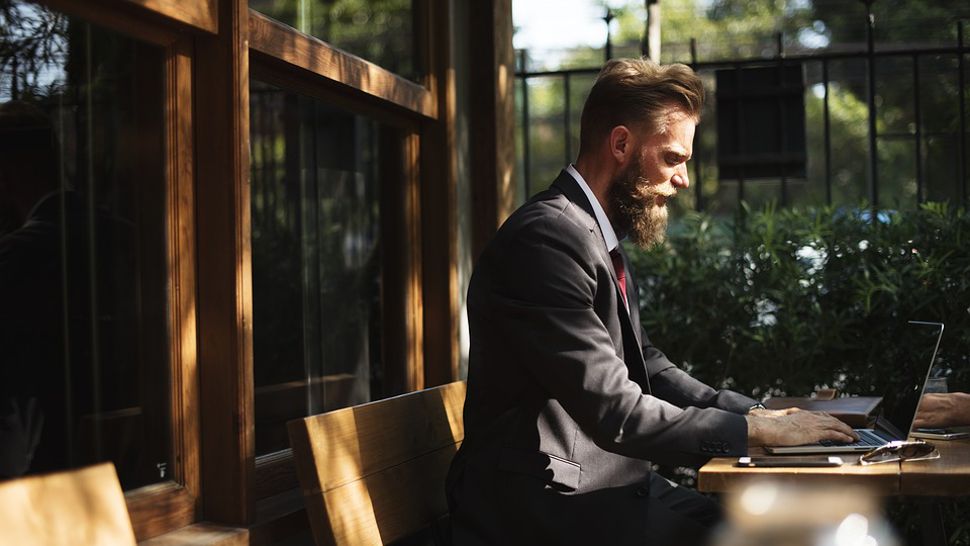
{"type": "Point", "coordinates": [642, 491]}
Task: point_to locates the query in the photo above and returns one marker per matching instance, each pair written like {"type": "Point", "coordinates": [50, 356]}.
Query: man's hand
{"type": "Point", "coordinates": [796, 428]}
{"type": "Point", "coordinates": [945, 409]}
{"type": "Point", "coordinates": [772, 413]}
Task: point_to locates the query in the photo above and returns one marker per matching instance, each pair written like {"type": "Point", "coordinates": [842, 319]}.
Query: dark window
{"type": "Point", "coordinates": [84, 341]}
{"type": "Point", "coordinates": [317, 259]}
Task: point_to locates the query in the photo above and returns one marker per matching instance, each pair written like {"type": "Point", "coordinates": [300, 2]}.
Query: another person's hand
{"type": "Point", "coordinates": [796, 428]}
{"type": "Point", "coordinates": [943, 409]}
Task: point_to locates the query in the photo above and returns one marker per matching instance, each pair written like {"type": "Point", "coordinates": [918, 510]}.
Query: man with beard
{"type": "Point", "coordinates": [568, 401]}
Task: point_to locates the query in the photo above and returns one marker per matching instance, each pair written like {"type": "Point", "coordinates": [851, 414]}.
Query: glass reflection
{"type": "Point", "coordinates": [316, 258]}
{"type": "Point", "coordinates": [381, 31]}
{"type": "Point", "coordinates": [83, 328]}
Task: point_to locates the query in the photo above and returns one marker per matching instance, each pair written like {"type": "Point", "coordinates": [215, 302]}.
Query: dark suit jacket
{"type": "Point", "coordinates": [568, 401]}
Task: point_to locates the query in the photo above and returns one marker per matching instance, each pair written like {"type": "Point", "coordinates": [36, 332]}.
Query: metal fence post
{"type": "Point", "coordinates": [698, 178]}
{"type": "Point", "coordinates": [871, 99]}
{"type": "Point", "coordinates": [961, 89]}
{"type": "Point", "coordinates": [827, 130]}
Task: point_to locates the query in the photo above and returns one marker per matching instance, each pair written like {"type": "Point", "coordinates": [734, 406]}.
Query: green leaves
{"type": "Point", "coordinates": [785, 301]}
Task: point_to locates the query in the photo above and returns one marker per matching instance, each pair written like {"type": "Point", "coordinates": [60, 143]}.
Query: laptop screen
{"type": "Point", "coordinates": [917, 352]}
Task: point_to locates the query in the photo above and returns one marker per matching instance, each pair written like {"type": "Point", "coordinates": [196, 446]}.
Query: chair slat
{"type": "Point", "coordinates": [83, 506]}
{"type": "Point", "coordinates": [374, 473]}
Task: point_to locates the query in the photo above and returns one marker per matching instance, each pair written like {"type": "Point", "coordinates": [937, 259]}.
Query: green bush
{"type": "Point", "coordinates": [782, 302]}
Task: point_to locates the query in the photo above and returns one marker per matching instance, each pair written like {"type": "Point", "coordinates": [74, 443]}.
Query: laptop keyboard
{"type": "Point", "coordinates": [867, 438]}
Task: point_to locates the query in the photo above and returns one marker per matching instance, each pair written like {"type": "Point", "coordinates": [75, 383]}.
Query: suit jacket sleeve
{"type": "Point", "coordinates": [542, 292]}
{"type": "Point", "coordinates": [669, 382]}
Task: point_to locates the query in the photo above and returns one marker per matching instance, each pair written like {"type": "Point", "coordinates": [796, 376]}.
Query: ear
{"type": "Point", "coordinates": [621, 143]}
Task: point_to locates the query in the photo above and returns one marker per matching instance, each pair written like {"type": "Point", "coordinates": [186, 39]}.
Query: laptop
{"type": "Point", "coordinates": [949, 433]}
{"type": "Point", "coordinates": [900, 407]}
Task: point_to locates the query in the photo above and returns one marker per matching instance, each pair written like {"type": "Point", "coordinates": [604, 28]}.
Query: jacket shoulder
{"type": "Point", "coordinates": [548, 214]}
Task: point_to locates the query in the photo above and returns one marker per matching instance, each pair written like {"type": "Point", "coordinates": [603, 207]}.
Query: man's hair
{"type": "Point", "coordinates": [629, 91]}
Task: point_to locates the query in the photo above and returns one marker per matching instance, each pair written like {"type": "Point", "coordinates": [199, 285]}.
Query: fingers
{"type": "Point", "coordinates": [822, 426]}
{"type": "Point", "coordinates": [841, 428]}
{"type": "Point", "coordinates": [844, 438]}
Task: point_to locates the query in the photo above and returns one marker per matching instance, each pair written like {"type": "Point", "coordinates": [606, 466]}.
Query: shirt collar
{"type": "Point", "coordinates": [609, 236]}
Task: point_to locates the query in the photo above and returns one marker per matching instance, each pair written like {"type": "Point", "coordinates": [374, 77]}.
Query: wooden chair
{"type": "Point", "coordinates": [375, 473]}
{"type": "Point", "coordinates": [82, 506]}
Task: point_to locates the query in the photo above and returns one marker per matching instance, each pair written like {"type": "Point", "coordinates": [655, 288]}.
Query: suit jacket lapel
{"type": "Point", "coordinates": [570, 188]}
{"type": "Point", "coordinates": [629, 319]}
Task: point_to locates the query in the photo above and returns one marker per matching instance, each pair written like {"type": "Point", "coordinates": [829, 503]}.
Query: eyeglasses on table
{"type": "Point", "coordinates": [900, 450]}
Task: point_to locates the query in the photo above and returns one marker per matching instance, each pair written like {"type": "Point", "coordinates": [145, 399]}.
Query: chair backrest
{"type": "Point", "coordinates": [375, 473]}
{"type": "Point", "coordinates": [82, 506]}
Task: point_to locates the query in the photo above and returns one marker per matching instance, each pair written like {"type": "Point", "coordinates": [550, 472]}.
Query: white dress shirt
{"type": "Point", "coordinates": [609, 236]}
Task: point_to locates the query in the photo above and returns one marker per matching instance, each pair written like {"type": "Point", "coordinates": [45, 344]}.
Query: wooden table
{"type": "Point", "coordinates": [948, 476]}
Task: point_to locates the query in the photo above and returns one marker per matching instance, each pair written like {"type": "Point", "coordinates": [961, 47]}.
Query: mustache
{"type": "Point", "coordinates": [647, 190]}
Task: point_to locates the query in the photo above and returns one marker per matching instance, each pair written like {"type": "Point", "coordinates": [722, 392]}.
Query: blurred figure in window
{"type": "Point", "coordinates": [32, 358]}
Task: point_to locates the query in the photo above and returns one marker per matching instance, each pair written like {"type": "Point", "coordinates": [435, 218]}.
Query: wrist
{"type": "Point", "coordinates": [758, 406]}
{"type": "Point", "coordinates": [963, 407]}
{"type": "Point", "coordinates": [756, 430]}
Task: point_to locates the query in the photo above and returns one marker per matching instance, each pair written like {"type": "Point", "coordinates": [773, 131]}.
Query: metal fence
{"type": "Point", "coordinates": [933, 168]}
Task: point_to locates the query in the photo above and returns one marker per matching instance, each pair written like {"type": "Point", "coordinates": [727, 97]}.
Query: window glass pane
{"type": "Point", "coordinates": [381, 31]}
{"type": "Point", "coordinates": [316, 222]}
{"type": "Point", "coordinates": [84, 352]}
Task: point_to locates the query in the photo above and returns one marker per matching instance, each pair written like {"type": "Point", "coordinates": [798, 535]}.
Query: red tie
{"type": "Point", "coordinates": [620, 272]}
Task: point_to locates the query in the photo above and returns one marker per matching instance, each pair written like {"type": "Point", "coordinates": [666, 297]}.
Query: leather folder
{"type": "Point", "coordinates": [855, 411]}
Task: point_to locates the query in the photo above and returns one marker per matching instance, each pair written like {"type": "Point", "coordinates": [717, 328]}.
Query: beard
{"type": "Point", "coordinates": [639, 207]}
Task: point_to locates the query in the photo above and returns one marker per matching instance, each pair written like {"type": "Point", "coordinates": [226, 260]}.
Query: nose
{"type": "Point", "coordinates": [680, 180]}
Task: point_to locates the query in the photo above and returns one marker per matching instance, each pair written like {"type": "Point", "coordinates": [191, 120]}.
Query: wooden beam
{"type": "Point", "coordinates": [492, 122]}
{"type": "Point", "coordinates": [414, 294]}
{"type": "Point", "coordinates": [182, 269]}
{"type": "Point", "coordinates": [287, 44]}
{"type": "Point", "coordinates": [402, 339]}
{"type": "Point", "coordinates": [124, 18]}
{"type": "Point", "coordinates": [202, 533]}
{"type": "Point", "coordinates": [439, 203]}
{"type": "Point", "coordinates": [160, 508]}
{"type": "Point", "coordinates": [225, 301]}
{"type": "Point", "coordinates": [201, 14]}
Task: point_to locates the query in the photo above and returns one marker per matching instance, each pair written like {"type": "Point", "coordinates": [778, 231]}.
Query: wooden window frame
{"type": "Point", "coordinates": [275, 473]}
{"type": "Point", "coordinates": [316, 68]}
{"type": "Point", "coordinates": [291, 60]}
{"type": "Point", "coordinates": [158, 508]}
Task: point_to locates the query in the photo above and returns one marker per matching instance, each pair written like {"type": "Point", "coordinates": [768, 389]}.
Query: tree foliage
{"type": "Point", "coordinates": [780, 302]}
